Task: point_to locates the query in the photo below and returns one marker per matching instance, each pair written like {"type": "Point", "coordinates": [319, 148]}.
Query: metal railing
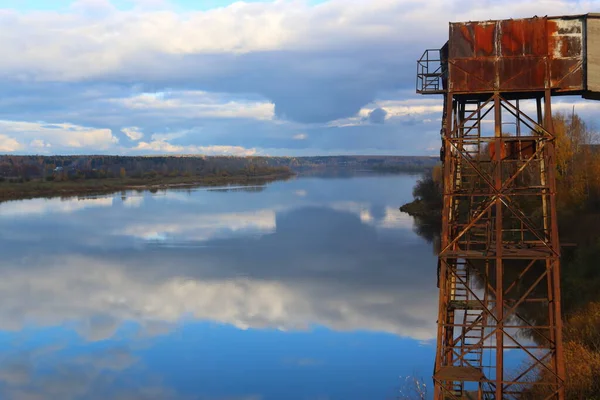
{"type": "Point", "coordinates": [431, 72]}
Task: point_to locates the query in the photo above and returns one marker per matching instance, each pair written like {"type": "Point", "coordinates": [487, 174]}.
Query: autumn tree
{"type": "Point", "coordinates": [577, 162]}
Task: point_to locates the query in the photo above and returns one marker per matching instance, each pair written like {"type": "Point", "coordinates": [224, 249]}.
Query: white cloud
{"type": "Point", "coordinates": [133, 133]}
{"type": "Point", "coordinates": [194, 104]}
{"type": "Point", "coordinates": [300, 136]}
{"type": "Point", "coordinates": [394, 109]}
{"type": "Point", "coordinates": [49, 206]}
{"type": "Point", "coordinates": [237, 281]}
{"type": "Point", "coordinates": [169, 136]}
{"type": "Point", "coordinates": [393, 218]}
{"type": "Point", "coordinates": [9, 144]}
{"type": "Point", "coordinates": [118, 39]}
{"type": "Point", "coordinates": [200, 227]}
{"type": "Point", "coordinates": [110, 291]}
{"type": "Point", "coordinates": [259, 61]}
{"type": "Point", "coordinates": [162, 146]}
{"type": "Point", "coordinates": [429, 110]}
{"type": "Point", "coordinates": [398, 108]}
{"type": "Point", "coordinates": [133, 201]}
{"type": "Point", "coordinates": [39, 144]}
{"type": "Point", "coordinates": [65, 135]}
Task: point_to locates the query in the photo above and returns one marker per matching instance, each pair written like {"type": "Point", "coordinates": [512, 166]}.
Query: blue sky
{"type": "Point", "coordinates": [287, 77]}
{"type": "Point", "coordinates": [36, 5]}
{"type": "Point", "coordinates": [182, 5]}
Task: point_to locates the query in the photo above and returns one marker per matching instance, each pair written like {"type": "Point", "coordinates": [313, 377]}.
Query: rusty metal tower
{"type": "Point", "coordinates": [499, 322]}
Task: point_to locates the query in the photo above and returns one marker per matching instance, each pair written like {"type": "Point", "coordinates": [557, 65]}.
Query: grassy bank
{"type": "Point", "coordinates": [43, 188]}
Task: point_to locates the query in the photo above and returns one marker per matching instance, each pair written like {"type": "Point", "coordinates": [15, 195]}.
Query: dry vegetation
{"type": "Point", "coordinates": [578, 165]}
{"type": "Point", "coordinates": [582, 353]}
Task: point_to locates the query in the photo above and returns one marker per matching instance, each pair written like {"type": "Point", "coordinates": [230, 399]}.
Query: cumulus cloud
{"type": "Point", "coordinates": [133, 133]}
{"type": "Point", "coordinates": [192, 104]}
{"type": "Point", "coordinates": [63, 134]}
{"type": "Point", "coordinates": [9, 144]}
{"type": "Point", "coordinates": [162, 146]}
{"type": "Point", "coordinates": [40, 144]}
{"type": "Point", "coordinates": [169, 136]}
{"type": "Point", "coordinates": [300, 136]}
{"type": "Point", "coordinates": [240, 28]}
{"type": "Point", "coordinates": [265, 62]}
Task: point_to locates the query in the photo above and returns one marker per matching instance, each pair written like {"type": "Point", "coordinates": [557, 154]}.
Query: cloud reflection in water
{"type": "Point", "coordinates": [267, 260]}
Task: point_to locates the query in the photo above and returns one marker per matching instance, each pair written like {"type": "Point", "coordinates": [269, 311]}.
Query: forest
{"type": "Point", "coordinates": [23, 168]}
{"type": "Point", "coordinates": [578, 207]}
{"type": "Point", "coordinates": [33, 176]}
{"type": "Point", "coordinates": [47, 176]}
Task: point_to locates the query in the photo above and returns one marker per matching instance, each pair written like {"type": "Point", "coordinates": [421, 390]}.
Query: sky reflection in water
{"type": "Point", "coordinates": [307, 289]}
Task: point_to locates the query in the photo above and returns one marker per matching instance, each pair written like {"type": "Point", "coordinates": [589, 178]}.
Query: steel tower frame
{"type": "Point", "coordinates": [499, 320]}
{"type": "Point", "coordinates": [495, 259]}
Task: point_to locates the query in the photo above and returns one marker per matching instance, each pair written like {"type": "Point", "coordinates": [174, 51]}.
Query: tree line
{"type": "Point", "coordinates": [25, 168]}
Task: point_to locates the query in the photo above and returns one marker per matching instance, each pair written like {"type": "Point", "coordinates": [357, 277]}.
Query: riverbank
{"type": "Point", "coordinates": [427, 198]}
{"type": "Point", "coordinates": [86, 187]}
{"type": "Point", "coordinates": [422, 209]}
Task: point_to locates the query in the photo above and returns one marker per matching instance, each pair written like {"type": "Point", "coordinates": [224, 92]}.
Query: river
{"type": "Point", "coordinates": [308, 289]}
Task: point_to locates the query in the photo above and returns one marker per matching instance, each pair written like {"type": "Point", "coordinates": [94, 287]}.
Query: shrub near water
{"type": "Point", "coordinates": [582, 353]}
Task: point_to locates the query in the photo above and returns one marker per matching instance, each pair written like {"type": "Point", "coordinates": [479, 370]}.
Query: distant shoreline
{"type": "Point", "coordinates": [44, 189]}
{"type": "Point", "coordinates": [24, 177]}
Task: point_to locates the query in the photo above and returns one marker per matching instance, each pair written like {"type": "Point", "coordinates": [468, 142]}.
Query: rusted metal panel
{"type": "Point", "coordinates": [521, 73]}
{"type": "Point", "coordinates": [518, 55]}
{"type": "Point", "coordinates": [462, 41]}
{"type": "Point", "coordinates": [523, 37]}
{"type": "Point", "coordinates": [565, 47]}
{"type": "Point", "coordinates": [485, 37]}
{"type": "Point", "coordinates": [472, 75]}
{"type": "Point", "coordinates": [566, 75]}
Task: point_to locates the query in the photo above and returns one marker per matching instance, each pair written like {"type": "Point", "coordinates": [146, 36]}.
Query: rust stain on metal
{"type": "Point", "coordinates": [484, 39]}
{"type": "Point", "coordinates": [516, 55]}
{"type": "Point", "coordinates": [513, 42]}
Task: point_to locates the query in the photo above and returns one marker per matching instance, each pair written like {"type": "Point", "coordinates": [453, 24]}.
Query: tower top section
{"type": "Point", "coordinates": [519, 57]}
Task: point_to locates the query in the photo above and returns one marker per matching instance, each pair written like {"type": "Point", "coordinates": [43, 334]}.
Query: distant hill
{"type": "Point", "coordinates": [371, 163]}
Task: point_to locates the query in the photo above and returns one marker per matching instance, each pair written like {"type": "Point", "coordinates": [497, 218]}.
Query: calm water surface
{"type": "Point", "coordinates": [309, 289]}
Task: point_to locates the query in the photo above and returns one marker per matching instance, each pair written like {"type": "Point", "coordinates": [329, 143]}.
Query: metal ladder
{"type": "Point", "coordinates": [472, 329]}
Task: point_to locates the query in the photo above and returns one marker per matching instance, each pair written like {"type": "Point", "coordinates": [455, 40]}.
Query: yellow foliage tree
{"type": "Point", "coordinates": [577, 163]}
